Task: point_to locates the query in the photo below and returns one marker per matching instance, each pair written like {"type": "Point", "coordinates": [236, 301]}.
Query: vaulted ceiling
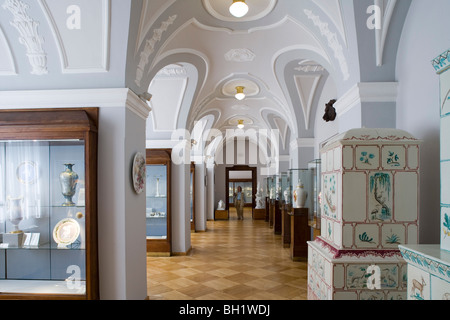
{"type": "Point", "coordinates": [261, 52]}
{"type": "Point", "coordinates": [292, 56]}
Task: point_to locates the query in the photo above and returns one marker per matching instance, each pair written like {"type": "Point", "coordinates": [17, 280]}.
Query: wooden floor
{"type": "Point", "coordinates": [233, 260]}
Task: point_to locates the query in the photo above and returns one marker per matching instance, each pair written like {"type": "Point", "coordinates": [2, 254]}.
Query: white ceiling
{"type": "Point", "coordinates": [292, 56]}
{"type": "Point", "coordinates": [240, 52]}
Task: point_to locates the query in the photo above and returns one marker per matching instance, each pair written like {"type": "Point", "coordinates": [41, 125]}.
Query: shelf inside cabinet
{"type": "Point", "coordinates": [42, 287]}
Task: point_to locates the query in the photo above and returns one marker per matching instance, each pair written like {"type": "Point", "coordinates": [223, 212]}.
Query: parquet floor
{"type": "Point", "coordinates": [232, 260]}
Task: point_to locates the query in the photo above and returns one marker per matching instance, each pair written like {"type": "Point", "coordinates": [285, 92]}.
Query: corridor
{"type": "Point", "coordinates": [233, 260]}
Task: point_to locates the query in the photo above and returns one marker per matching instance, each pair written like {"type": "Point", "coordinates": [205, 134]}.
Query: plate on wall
{"type": "Point", "coordinates": [138, 173]}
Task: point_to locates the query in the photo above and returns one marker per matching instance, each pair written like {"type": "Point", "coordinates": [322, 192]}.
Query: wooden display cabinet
{"type": "Point", "coordinates": [48, 204]}
{"type": "Point", "coordinates": [277, 217]}
{"type": "Point", "coordinates": [300, 234]}
{"type": "Point", "coordinates": [286, 225]}
{"type": "Point", "coordinates": [158, 199]}
{"type": "Point", "coordinates": [284, 196]}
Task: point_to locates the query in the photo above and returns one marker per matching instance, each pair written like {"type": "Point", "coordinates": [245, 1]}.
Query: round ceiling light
{"type": "Point", "coordinates": [239, 8]}
{"type": "Point", "coordinates": [241, 124]}
{"type": "Point", "coordinates": [240, 95]}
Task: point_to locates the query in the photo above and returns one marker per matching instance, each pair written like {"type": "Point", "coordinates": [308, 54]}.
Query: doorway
{"type": "Point", "coordinates": [244, 176]}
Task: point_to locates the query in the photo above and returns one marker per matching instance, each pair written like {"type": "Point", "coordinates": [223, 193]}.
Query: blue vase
{"type": "Point", "coordinates": [68, 179]}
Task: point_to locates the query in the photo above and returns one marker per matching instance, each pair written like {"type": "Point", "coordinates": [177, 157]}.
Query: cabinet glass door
{"type": "Point", "coordinates": [42, 217]}
{"type": "Point", "coordinates": [247, 189]}
{"type": "Point", "coordinates": [231, 192]}
{"type": "Point", "coordinates": [156, 211]}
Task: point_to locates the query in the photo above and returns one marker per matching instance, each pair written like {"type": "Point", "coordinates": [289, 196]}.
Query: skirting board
{"type": "Point", "coordinates": [180, 254]}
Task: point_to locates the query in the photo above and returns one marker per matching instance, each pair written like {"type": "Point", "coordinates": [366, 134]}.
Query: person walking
{"type": "Point", "coordinates": [239, 202]}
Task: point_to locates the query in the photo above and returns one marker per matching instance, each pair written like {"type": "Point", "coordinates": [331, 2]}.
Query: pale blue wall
{"type": "Point", "coordinates": [424, 37]}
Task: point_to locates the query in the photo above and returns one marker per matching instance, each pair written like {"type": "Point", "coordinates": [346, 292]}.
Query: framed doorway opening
{"type": "Point", "coordinates": [244, 176]}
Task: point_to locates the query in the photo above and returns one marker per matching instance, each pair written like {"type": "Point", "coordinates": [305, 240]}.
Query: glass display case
{"type": "Point", "coordinates": [263, 188]}
{"type": "Point", "coordinates": [275, 187]}
{"type": "Point", "coordinates": [158, 201]}
{"type": "Point", "coordinates": [301, 198]}
{"type": "Point", "coordinates": [285, 208]}
{"type": "Point", "coordinates": [156, 210]}
{"type": "Point", "coordinates": [271, 187]}
{"type": "Point", "coordinates": [275, 218]}
{"type": "Point", "coordinates": [315, 212]}
{"type": "Point", "coordinates": [301, 188]}
{"type": "Point", "coordinates": [285, 188]}
{"type": "Point", "coordinates": [247, 189]}
{"type": "Point", "coordinates": [48, 204]}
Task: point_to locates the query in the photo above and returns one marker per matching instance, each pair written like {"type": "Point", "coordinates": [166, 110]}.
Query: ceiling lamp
{"type": "Point", "coordinates": [240, 95]}
{"type": "Point", "coordinates": [239, 8]}
{"type": "Point", "coordinates": [241, 124]}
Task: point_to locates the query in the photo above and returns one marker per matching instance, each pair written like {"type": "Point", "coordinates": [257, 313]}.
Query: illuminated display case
{"type": "Point", "coordinates": [301, 199]}
{"type": "Point", "coordinates": [301, 188]}
{"type": "Point", "coordinates": [158, 195]}
{"type": "Point", "coordinates": [275, 218]}
{"type": "Point", "coordinates": [315, 212]}
{"type": "Point", "coordinates": [285, 206]}
{"type": "Point", "coordinates": [272, 187]}
{"type": "Point", "coordinates": [48, 204]}
{"type": "Point", "coordinates": [285, 188]}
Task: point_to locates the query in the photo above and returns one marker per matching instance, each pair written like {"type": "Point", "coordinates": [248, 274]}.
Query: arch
{"type": "Point", "coordinates": [284, 68]}
{"type": "Point", "coordinates": [198, 70]}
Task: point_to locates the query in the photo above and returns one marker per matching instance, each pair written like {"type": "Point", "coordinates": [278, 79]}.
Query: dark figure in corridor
{"type": "Point", "coordinates": [239, 202]}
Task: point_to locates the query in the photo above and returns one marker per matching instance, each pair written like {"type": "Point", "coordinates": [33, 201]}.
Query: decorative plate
{"type": "Point", "coordinates": [26, 172]}
{"type": "Point", "coordinates": [139, 173]}
{"type": "Point", "coordinates": [66, 231]}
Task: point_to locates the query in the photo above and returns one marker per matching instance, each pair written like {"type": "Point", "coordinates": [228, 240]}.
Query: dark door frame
{"type": "Point", "coordinates": [241, 168]}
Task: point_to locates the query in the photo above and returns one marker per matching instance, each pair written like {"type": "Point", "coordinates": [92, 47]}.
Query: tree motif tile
{"type": "Point", "coordinates": [380, 196]}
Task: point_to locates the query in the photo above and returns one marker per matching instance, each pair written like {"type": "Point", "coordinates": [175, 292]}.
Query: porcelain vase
{"type": "Point", "coordinates": [68, 179]}
{"type": "Point", "coordinates": [300, 195]}
{"type": "Point", "coordinates": [15, 212]}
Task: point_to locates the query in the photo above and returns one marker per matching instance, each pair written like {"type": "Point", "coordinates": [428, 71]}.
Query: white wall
{"type": "Point", "coordinates": [324, 130]}
{"type": "Point", "coordinates": [424, 37]}
{"type": "Point", "coordinates": [135, 222]}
